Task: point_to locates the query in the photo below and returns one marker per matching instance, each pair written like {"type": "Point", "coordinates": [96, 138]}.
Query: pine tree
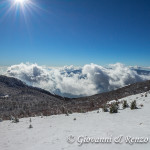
{"type": "Point", "coordinates": [30, 126]}
{"type": "Point", "coordinates": [125, 104]}
{"type": "Point", "coordinates": [133, 105]}
{"type": "Point", "coordinates": [105, 108]}
{"type": "Point", "coordinates": [114, 108]}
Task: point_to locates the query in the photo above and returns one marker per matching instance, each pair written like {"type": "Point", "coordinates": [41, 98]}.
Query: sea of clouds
{"type": "Point", "coordinates": [71, 81]}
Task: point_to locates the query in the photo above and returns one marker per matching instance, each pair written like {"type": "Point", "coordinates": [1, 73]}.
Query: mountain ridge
{"type": "Point", "coordinates": [19, 99]}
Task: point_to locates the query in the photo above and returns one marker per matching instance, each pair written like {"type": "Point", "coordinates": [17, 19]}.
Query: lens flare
{"type": "Point", "coordinates": [22, 2]}
{"type": "Point", "coordinates": [20, 10]}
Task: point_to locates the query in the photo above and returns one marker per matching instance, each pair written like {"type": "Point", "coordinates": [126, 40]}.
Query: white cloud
{"type": "Point", "coordinates": [76, 81]}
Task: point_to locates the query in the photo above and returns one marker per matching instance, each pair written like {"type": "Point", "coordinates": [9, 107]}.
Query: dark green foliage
{"type": "Point", "coordinates": [117, 103]}
{"type": "Point", "coordinates": [133, 105]}
{"type": "Point", "coordinates": [114, 108]}
{"type": "Point", "coordinates": [125, 105]}
{"type": "Point", "coordinates": [105, 109]}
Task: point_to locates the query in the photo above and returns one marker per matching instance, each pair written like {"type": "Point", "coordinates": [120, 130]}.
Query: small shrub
{"type": "Point", "coordinates": [67, 114]}
{"type": "Point", "coordinates": [105, 109]}
{"type": "Point", "coordinates": [41, 115]}
{"type": "Point", "coordinates": [114, 108]}
{"type": "Point", "coordinates": [12, 118]}
{"type": "Point", "coordinates": [133, 105]}
{"type": "Point", "coordinates": [70, 111]}
{"type": "Point", "coordinates": [141, 105]}
{"type": "Point", "coordinates": [125, 104]}
{"type": "Point", "coordinates": [81, 110]}
{"type": "Point", "coordinates": [15, 120]}
{"type": "Point", "coordinates": [30, 126]}
{"type": "Point", "coordinates": [117, 103]}
{"type": "Point", "coordinates": [74, 119]}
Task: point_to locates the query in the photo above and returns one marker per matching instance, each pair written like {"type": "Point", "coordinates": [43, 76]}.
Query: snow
{"type": "Point", "coordinates": [4, 96]}
{"type": "Point", "coordinates": [51, 133]}
{"type": "Point", "coordinates": [110, 102]}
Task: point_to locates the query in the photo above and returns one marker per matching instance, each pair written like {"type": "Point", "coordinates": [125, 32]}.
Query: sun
{"type": "Point", "coordinates": [21, 2]}
{"type": "Point", "coordinates": [21, 8]}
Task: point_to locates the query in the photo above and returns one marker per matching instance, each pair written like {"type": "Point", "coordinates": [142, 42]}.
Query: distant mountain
{"type": "Point", "coordinates": [21, 100]}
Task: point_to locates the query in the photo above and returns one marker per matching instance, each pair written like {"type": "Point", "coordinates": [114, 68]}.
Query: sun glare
{"type": "Point", "coordinates": [21, 8]}
{"type": "Point", "coordinates": [21, 1]}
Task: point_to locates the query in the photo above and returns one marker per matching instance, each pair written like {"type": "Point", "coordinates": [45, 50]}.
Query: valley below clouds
{"type": "Point", "coordinates": [71, 81]}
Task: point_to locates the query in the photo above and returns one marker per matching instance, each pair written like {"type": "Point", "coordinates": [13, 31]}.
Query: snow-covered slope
{"type": "Point", "coordinates": [51, 133]}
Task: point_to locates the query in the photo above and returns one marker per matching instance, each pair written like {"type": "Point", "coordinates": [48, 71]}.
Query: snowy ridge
{"type": "Point", "coordinates": [52, 132]}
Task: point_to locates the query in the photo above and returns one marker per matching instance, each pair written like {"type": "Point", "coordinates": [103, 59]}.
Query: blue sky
{"type": "Point", "coordinates": [76, 32]}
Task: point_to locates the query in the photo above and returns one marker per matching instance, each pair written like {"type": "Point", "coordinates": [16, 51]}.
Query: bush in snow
{"type": "Point", "coordinates": [30, 126]}
{"type": "Point", "coordinates": [15, 120]}
{"type": "Point", "coordinates": [133, 105]}
{"type": "Point", "coordinates": [41, 115]}
{"type": "Point", "coordinates": [141, 105]}
{"type": "Point", "coordinates": [105, 109]}
{"type": "Point", "coordinates": [12, 118]}
{"type": "Point", "coordinates": [114, 108]}
{"type": "Point", "coordinates": [125, 104]}
{"type": "Point", "coordinates": [81, 110]}
{"type": "Point", "coordinates": [117, 104]}
{"type": "Point", "coordinates": [67, 114]}
{"type": "Point", "coordinates": [70, 111]}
